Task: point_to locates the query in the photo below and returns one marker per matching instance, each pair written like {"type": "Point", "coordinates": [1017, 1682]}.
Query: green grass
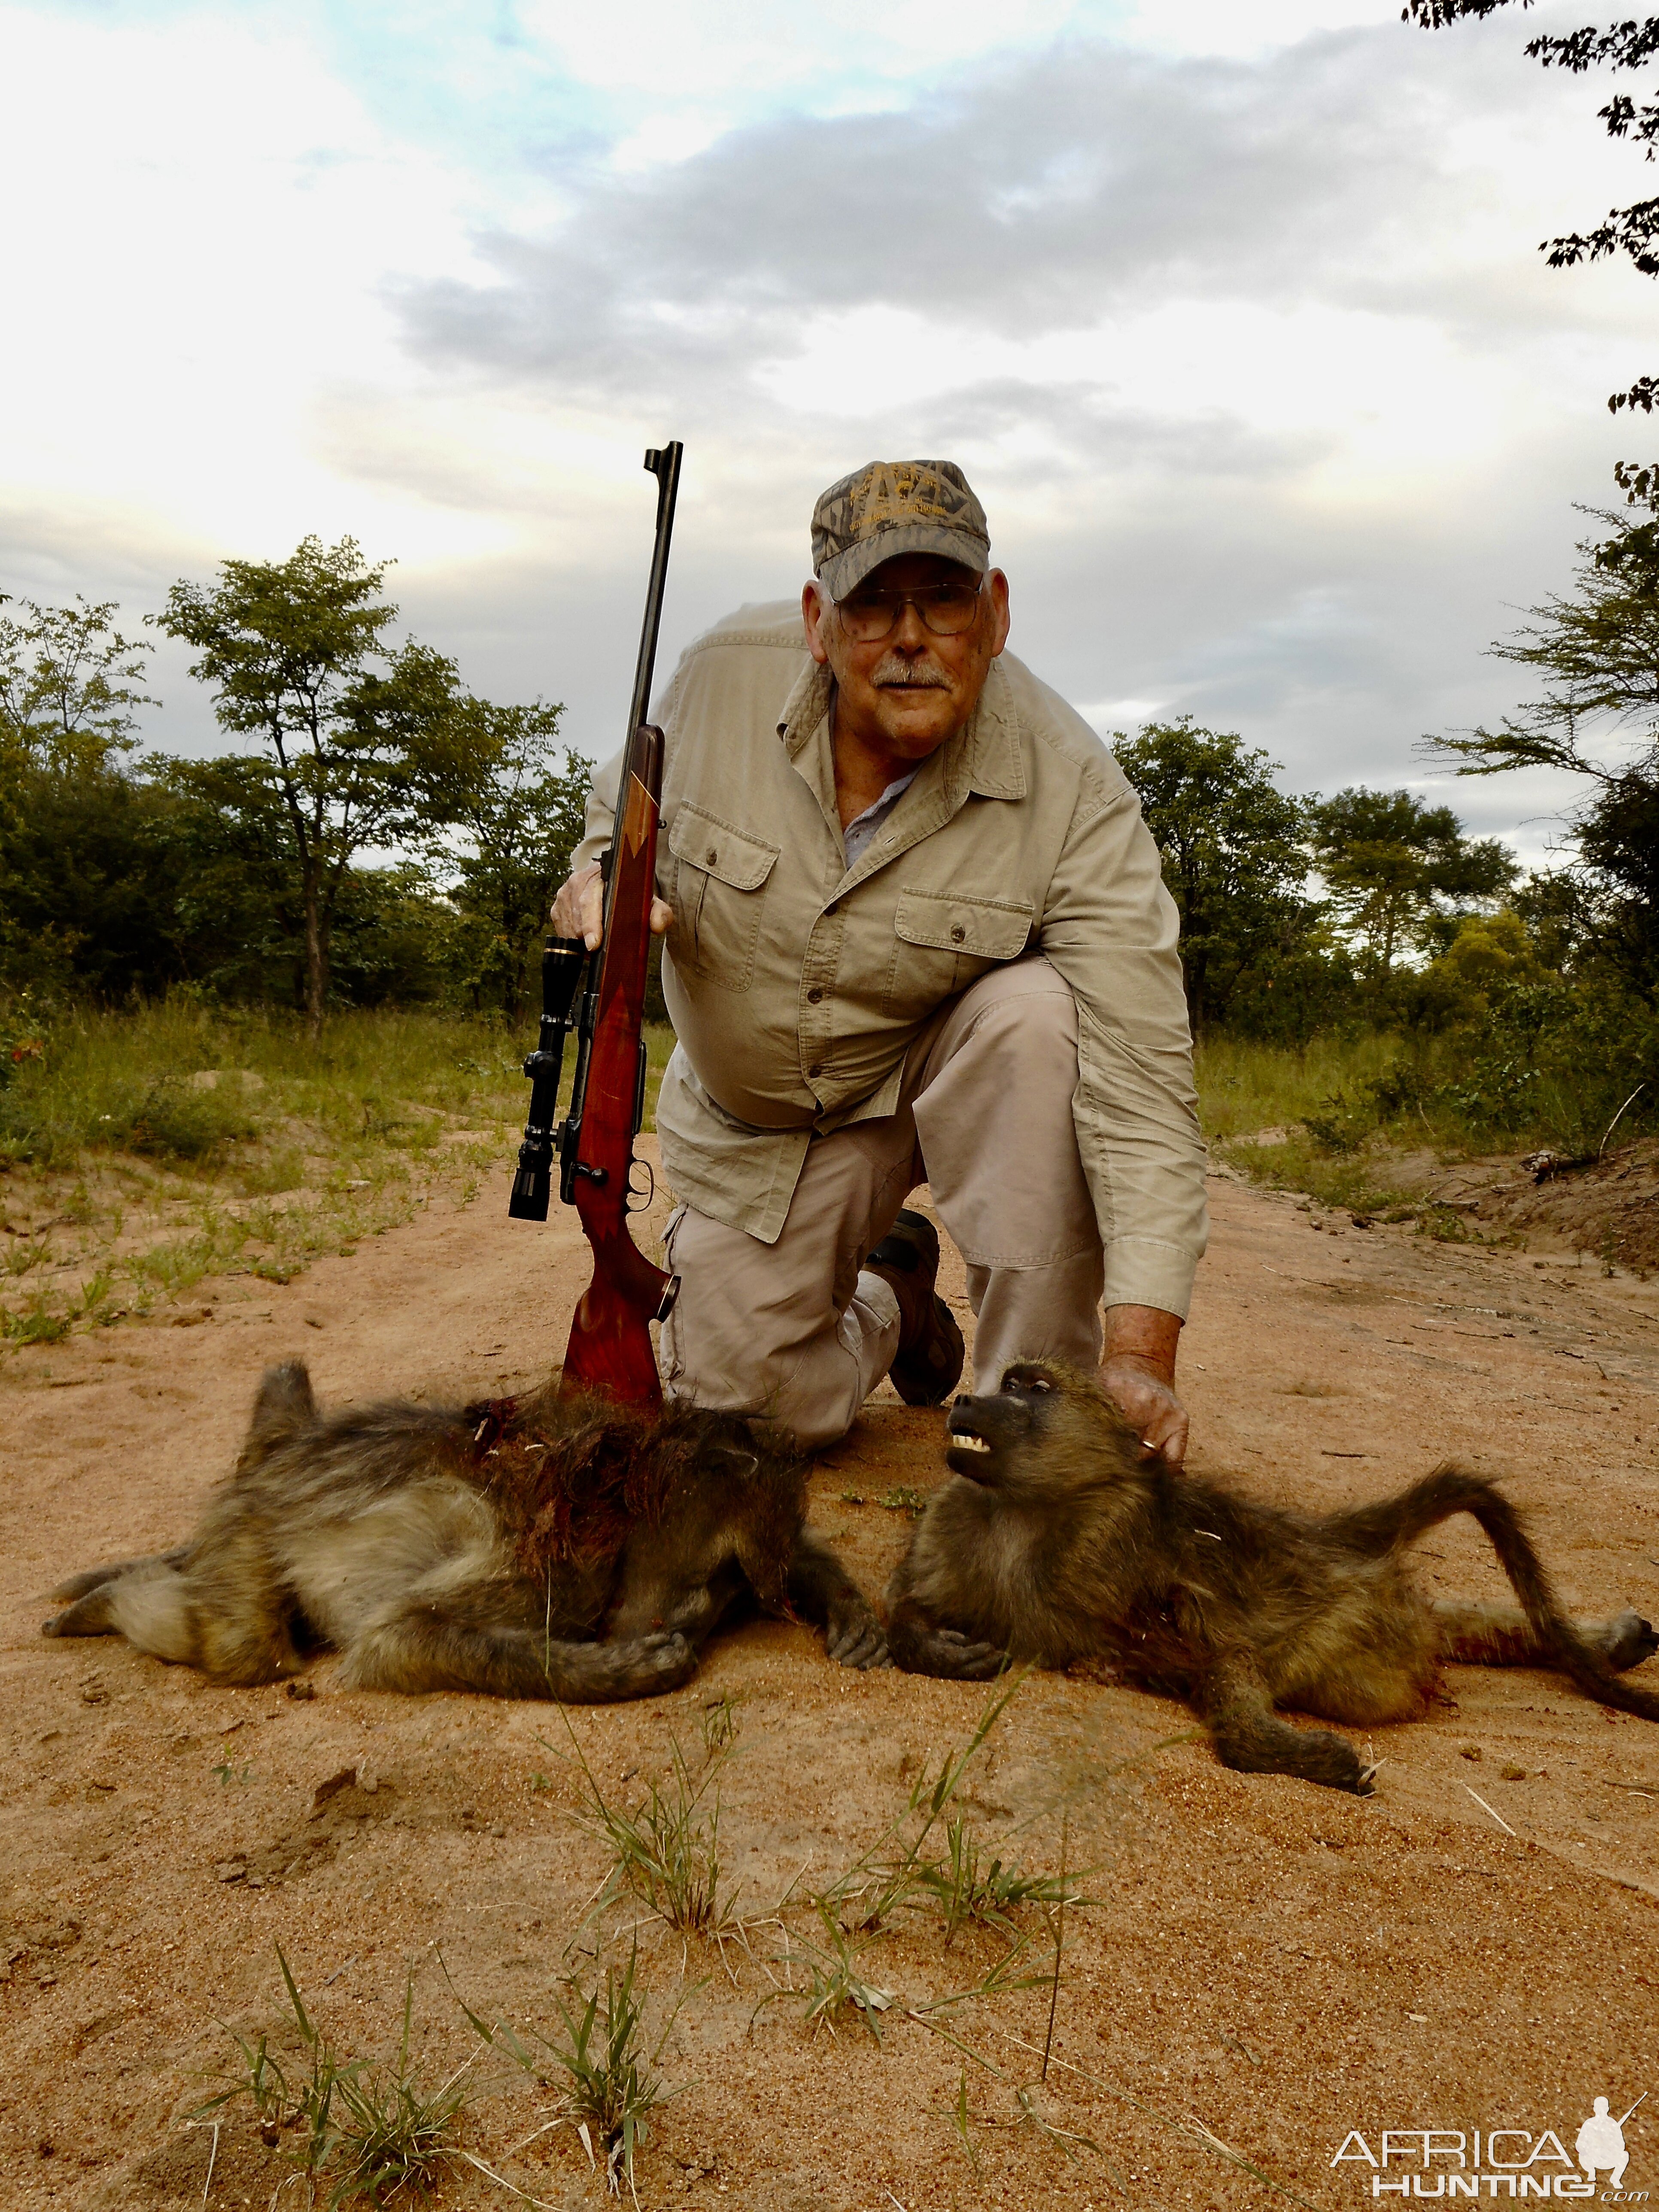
{"type": "Point", "coordinates": [360, 2132]}
{"type": "Point", "coordinates": [608, 2062]}
{"type": "Point", "coordinates": [1364, 1119]}
{"type": "Point", "coordinates": [122, 1081]}
{"type": "Point", "coordinates": [667, 1848]}
{"type": "Point", "coordinates": [177, 1141]}
{"type": "Point", "coordinates": [1244, 1087]}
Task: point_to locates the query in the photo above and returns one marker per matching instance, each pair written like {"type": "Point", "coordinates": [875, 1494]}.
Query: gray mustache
{"type": "Point", "coordinates": [919, 676]}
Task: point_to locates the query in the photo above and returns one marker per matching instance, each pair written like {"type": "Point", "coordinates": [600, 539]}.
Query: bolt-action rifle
{"type": "Point", "coordinates": [610, 1349]}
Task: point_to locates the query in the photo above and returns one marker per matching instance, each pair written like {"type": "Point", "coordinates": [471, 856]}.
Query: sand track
{"type": "Point", "coordinates": [1280, 1963]}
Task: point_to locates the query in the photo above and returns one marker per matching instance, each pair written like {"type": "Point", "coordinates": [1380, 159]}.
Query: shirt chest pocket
{"type": "Point", "coordinates": [720, 876]}
{"type": "Point", "coordinates": [944, 942]}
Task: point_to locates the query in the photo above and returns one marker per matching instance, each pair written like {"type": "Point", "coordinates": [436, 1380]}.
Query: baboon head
{"type": "Point", "coordinates": [1049, 1429]}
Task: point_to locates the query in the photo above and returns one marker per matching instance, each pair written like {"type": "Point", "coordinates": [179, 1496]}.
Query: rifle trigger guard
{"type": "Point", "coordinates": [645, 1202]}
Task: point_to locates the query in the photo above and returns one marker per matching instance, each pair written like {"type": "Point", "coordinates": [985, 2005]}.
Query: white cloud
{"type": "Point", "coordinates": [1237, 324]}
{"type": "Point", "coordinates": [200, 270]}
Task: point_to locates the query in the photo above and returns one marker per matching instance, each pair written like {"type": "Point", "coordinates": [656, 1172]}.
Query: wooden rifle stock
{"type": "Point", "coordinates": [610, 1349]}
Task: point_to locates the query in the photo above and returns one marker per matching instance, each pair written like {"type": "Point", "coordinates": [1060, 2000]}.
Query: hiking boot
{"type": "Point", "coordinates": [927, 1365]}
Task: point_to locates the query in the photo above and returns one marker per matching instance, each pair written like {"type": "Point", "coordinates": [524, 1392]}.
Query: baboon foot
{"type": "Point", "coordinates": [855, 1637]}
{"type": "Point", "coordinates": [1627, 1640]}
{"type": "Point", "coordinates": [944, 1652]}
{"type": "Point", "coordinates": [89, 1615]}
{"type": "Point", "coordinates": [1311, 1754]}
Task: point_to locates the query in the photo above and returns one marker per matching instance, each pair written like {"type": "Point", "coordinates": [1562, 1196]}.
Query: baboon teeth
{"type": "Point", "coordinates": [964, 1441]}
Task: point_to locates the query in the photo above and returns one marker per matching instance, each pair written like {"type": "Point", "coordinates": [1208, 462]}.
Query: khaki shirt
{"type": "Point", "coordinates": [796, 985]}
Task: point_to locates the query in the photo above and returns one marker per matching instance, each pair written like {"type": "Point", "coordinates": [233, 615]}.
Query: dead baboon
{"type": "Point", "coordinates": [1066, 1538]}
{"type": "Point", "coordinates": [546, 1547]}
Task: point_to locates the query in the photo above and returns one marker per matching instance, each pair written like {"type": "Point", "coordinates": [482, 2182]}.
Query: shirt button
{"type": "Point", "coordinates": [817, 1068]}
{"type": "Point", "coordinates": [813, 996]}
{"type": "Point", "coordinates": [711, 855]}
{"type": "Point", "coordinates": [958, 932]}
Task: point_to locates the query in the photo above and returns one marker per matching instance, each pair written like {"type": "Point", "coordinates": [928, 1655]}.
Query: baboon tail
{"type": "Point", "coordinates": [285, 1406]}
{"type": "Point", "coordinates": [1396, 1521]}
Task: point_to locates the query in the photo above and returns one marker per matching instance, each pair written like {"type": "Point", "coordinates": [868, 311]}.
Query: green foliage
{"type": "Point", "coordinates": [1595, 652]}
{"type": "Point", "coordinates": [68, 685]}
{"type": "Point", "coordinates": [1393, 867]}
{"type": "Point", "coordinates": [522, 813]}
{"type": "Point", "coordinates": [363, 2133]}
{"type": "Point", "coordinates": [1534, 1062]}
{"type": "Point", "coordinates": [1233, 857]}
{"type": "Point", "coordinates": [366, 746]}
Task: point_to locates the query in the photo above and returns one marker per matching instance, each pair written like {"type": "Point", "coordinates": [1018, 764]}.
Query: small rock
{"type": "Point", "coordinates": [1512, 1773]}
{"type": "Point", "coordinates": [192, 1317]}
{"type": "Point", "coordinates": [1364, 1221]}
{"type": "Point", "coordinates": [1471, 1751]}
{"type": "Point", "coordinates": [301, 1691]}
{"type": "Point", "coordinates": [230, 1871]}
{"type": "Point", "coordinates": [332, 1787]}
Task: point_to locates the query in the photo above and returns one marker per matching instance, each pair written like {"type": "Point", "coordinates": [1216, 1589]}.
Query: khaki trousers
{"type": "Point", "coordinates": [801, 1331]}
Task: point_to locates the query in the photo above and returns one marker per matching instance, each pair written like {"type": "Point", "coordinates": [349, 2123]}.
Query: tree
{"type": "Point", "coordinates": [1597, 653]}
{"type": "Point", "coordinates": [1233, 852]}
{"type": "Point", "coordinates": [68, 683]}
{"type": "Point", "coordinates": [522, 810]}
{"type": "Point", "coordinates": [1632, 231]}
{"type": "Point", "coordinates": [1393, 867]}
{"type": "Point", "coordinates": [364, 740]}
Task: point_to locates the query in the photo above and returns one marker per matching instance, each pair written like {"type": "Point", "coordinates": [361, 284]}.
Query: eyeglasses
{"type": "Point", "coordinates": [947, 610]}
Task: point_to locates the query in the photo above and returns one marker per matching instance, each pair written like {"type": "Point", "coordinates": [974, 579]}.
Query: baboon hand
{"type": "Point", "coordinates": [948, 1654]}
{"type": "Point", "coordinates": [857, 1638]}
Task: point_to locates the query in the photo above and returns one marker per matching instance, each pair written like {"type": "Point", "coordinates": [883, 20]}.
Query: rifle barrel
{"type": "Point", "coordinates": [665, 465]}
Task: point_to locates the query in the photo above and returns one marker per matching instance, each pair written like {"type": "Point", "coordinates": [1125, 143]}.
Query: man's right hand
{"type": "Point", "coordinates": [579, 909]}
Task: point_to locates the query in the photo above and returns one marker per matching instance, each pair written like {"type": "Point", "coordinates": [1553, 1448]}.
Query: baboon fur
{"type": "Point", "coordinates": [551, 1546]}
{"type": "Point", "coordinates": [1064, 1538]}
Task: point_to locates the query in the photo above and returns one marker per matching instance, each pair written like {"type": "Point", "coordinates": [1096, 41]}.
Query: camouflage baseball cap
{"type": "Point", "coordinates": [891, 507]}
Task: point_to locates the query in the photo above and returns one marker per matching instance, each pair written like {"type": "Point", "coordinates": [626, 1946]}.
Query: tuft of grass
{"type": "Point", "coordinates": [36, 1324]}
{"type": "Point", "coordinates": [362, 2132]}
{"type": "Point", "coordinates": [667, 1847]}
{"type": "Point", "coordinates": [903, 1499]}
{"type": "Point", "coordinates": [972, 1891]}
{"type": "Point", "coordinates": [608, 2064]}
{"type": "Point", "coordinates": [834, 1979]}
{"type": "Point", "coordinates": [877, 1885]}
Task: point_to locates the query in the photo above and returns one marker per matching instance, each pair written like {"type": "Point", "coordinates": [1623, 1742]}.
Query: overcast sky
{"type": "Point", "coordinates": [1230, 309]}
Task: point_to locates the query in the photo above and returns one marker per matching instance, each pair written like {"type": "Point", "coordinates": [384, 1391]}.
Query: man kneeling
{"type": "Point", "coordinates": [916, 932]}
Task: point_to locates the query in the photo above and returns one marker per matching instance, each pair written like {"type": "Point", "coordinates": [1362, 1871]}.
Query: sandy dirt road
{"type": "Point", "coordinates": [1277, 1963]}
